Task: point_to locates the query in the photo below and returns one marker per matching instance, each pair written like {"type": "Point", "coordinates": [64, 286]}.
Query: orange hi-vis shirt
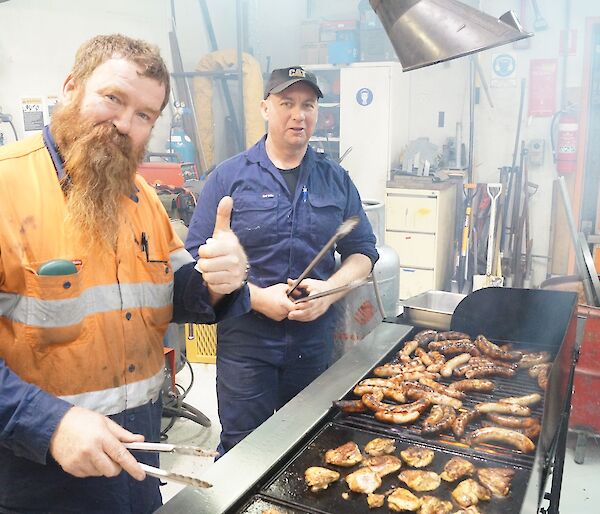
{"type": "Point", "coordinates": [94, 338]}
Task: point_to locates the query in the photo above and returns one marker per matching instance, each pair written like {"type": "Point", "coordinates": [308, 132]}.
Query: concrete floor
{"type": "Point", "coordinates": [580, 491]}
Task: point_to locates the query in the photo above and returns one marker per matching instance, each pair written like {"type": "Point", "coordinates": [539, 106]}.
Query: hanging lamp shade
{"type": "Point", "coordinates": [425, 32]}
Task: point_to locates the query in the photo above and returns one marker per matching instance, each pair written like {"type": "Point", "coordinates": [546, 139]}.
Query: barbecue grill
{"type": "Point", "coordinates": [266, 469]}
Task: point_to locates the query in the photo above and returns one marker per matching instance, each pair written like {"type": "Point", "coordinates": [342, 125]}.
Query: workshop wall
{"type": "Point", "coordinates": [38, 41]}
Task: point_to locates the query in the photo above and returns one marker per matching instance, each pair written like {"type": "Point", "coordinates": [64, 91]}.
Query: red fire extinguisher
{"type": "Point", "coordinates": [565, 128]}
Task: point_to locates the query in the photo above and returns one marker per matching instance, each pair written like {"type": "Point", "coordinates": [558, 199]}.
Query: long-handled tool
{"type": "Point", "coordinates": [343, 230]}
{"type": "Point", "coordinates": [172, 448]}
{"type": "Point", "coordinates": [490, 279]}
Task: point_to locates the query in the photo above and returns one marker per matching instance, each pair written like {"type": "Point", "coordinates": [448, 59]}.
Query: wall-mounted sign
{"type": "Point", "coordinates": [504, 70]}
{"type": "Point", "coordinates": [364, 96]}
{"type": "Point", "coordinates": [542, 87]}
{"type": "Point", "coordinates": [33, 113]}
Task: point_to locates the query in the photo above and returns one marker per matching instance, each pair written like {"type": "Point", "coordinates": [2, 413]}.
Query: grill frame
{"type": "Point", "coordinates": [239, 475]}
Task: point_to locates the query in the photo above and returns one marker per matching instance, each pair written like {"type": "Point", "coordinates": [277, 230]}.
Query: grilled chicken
{"type": "Point", "coordinates": [402, 499]}
{"type": "Point", "coordinates": [346, 455]}
{"type": "Point", "coordinates": [375, 501]}
{"type": "Point", "coordinates": [469, 492]}
{"type": "Point", "coordinates": [363, 480]}
{"type": "Point", "coordinates": [433, 505]}
{"type": "Point", "coordinates": [420, 480]}
{"type": "Point", "coordinates": [319, 478]}
{"type": "Point", "coordinates": [497, 480]}
{"type": "Point", "coordinates": [468, 510]}
{"type": "Point", "coordinates": [380, 446]}
{"type": "Point", "coordinates": [383, 464]}
{"type": "Point", "coordinates": [417, 457]}
{"type": "Point", "coordinates": [457, 468]}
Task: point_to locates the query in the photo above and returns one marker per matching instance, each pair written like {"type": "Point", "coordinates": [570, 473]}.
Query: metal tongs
{"type": "Point", "coordinates": [172, 448]}
{"type": "Point", "coordinates": [343, 230]}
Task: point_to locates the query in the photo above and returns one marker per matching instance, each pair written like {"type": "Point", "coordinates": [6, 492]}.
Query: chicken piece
{"type": "Point", "coordinates": [433, 505]}
{"type": "Point", "coordinates": [417, 457]}
{"type": "Point", "coordinates": [457, 468]}
{"type": "Point", "coordinates": [380, 446]}
{"type": "Point", "coordinates": [469, 492]}
{"type": "Point", "coordinates": [497, 480]}
{"type": "Point", "coordinates": [374, 501]}
{"type": "Point", "coordinates": [363, 480]}
{"type": "Point", "coordinates": [402, 499]}
{"type": "Point", "coordinates": [345, 456]}
{"type": "Point", "coordinates": [318, 478]}
{"type": "Point", "coordinates": [420, 480]}
{"type": "Point", "coordinates": [383, 464]}
{"type": "Point", "coordinates": [468, 510]}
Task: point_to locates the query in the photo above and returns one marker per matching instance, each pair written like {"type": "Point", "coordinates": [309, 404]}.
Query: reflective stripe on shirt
{"type": "Point", "coordinates": [180, 258]}
{"type": "Point", "coordinates": [117, 399]}
{"type": "Point", "coordinates": [35, 311]}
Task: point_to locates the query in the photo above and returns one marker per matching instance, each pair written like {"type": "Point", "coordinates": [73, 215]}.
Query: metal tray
{"type": "Point", "coordinates": [289, 487]}
{"type": "Point", "coordinates": [432, 309]}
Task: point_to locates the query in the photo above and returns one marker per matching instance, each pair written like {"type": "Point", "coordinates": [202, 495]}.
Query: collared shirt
{"type": "Point", "coordinates": [282, 231]}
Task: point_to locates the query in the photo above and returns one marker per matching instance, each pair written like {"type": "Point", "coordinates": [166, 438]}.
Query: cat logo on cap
{"type": "Point", "coordinates": [297, 72]}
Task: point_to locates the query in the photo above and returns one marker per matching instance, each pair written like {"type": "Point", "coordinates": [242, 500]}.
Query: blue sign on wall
{"type": "Point", "coordinates": [364, 96]}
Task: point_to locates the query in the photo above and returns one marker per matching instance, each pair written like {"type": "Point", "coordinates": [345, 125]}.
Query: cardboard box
{"type": "Point", "coordinates": [314, 54]}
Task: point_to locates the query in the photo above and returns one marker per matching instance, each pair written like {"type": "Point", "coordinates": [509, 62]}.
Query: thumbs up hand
{"type": "Point", "coordinates": [222, 260]}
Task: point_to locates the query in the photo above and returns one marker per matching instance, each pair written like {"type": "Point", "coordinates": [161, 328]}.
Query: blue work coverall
{"type": "Point", "coordinates": [262, 363]}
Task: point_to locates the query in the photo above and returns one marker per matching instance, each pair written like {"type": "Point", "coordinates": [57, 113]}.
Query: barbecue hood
{"type": "Point", "coordinates": [425, 32]}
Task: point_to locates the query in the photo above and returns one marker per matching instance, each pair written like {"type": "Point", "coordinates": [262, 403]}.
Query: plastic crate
{"type": "Point", "coordinates": [201, 343]}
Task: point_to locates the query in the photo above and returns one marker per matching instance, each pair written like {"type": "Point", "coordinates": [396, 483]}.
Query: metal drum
{"type": "Point", "coordinates": [358, 312]}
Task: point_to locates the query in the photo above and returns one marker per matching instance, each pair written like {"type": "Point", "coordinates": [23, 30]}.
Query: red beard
{"type": "Point", "coordinates": [100, 165]}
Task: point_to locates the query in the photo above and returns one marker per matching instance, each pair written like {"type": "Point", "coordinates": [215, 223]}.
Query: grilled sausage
{"type": "Point", "coordinates": [494, 351]}
{"type": "Point", "coordinates": [520, 441]}
{"type": "Point", "coordinates": [457, 346]}
{"type": "Point", "coordinates": [350, 406]}
{"type": "Point", "coordinates": [452, 334]}
{"type": "Point", "coordinates": [424, 356]}
{"type": "Point", "coordinates": [399, 418]}
{"type": "Point", "coordinates": [531, 431]}
{"type": "Point", "coordinates": [440, 419]}
{"type": "Point", "coordinates": [426, 336]}
{"type": "Point", "coordinates": [486, 371]}
{"type": "Point", "coordinates": [462, 420]}
{"type": "Point", "coordinates": [529, 399]}
{"type": "Point", "coordinates": [503, 408]}
{"type": "Point", "coordinates": [409, 347]}
{"type": "Point", "coordinates": [534, 371]}
{"type": "Point", "coordinates": [442, 389]}
{"type": "Point", "coordinates": [473, 384]}
{"type": "Point", "coordinates": [531, 359]}
{"type": "Point", "coordinates": [511, 421]}
{"type": "Point", "coordinates": [419, 391]}
{"type": "Point", "coordinates": [448, 368]}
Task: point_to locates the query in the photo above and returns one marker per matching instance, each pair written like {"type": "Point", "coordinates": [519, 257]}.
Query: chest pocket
{"type": "Point", "coordinates": [254, 219]}
{"type": "Point", "coordinates": [326, 215]}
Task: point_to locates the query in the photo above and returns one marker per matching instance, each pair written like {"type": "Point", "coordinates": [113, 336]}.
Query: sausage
{"type": "Point", "coordinates": [448, 368]}
{"type": "Point", "coordinates": [473, 384]}
{"type": "Point", "coordinates": [424, 356]}
{"type": "Point", "coordinates": [452, 334]}
{"type": "Point", "coordinates": [529, 399]}
{"type": "Point", "coordinates": [391, 370]}
{"type": "Point", "coordinates": [486, 371]}
{"type": "Point", "coordinates": [494, 351]}
{"type": "Point", "coordinates": [520, 441]}
{"type": "Point", "coordinates": [462, 420]}
{"type": "Point", "coordinates": [425, 336]}
{"type": "Point", "coordinates": [413, 390]}
{"type": "Point", "coordinates": [511, 421]}
{"type": "Point", "coordinates": [458, 346]}
{"type": "Point", "coordinates": [531, 431]}
{"type": "Point", "coordinates": [442, 389]}
{"type": "Point", "coordinates": [350, 406]}
{"type": "Point", "coordinates": [534, 371]}
{"type": "Point", "coordinates": [409, 347]}
{"type": "Point", "coordinates": [531, 359]}
{"type": "Point", "coordinates": [399, 418]}
{"type": "Point", "coordinates": [441, 418]}
{"type": "Point", "coordinates": [503, 408]}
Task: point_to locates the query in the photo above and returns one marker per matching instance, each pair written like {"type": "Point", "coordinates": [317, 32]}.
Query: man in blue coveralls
{"type": "Point", "coordinates": [288, 202]}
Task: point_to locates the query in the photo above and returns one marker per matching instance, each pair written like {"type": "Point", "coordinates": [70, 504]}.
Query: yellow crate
{"type": "Point", "coordinates": [201, 343]}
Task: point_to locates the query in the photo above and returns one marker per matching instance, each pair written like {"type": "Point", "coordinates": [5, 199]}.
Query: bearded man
{"type": "Point", "coordinates": [91, 273]}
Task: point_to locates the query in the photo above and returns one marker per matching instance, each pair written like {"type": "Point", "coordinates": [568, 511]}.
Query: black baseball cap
{"type": "Point", "coordinates": [283, 78]}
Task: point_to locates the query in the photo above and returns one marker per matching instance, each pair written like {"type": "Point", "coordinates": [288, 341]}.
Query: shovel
{"type": "Point", "coordinates": [489, 280]}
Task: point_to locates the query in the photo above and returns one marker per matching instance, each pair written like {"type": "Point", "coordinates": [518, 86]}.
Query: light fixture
{"type": "Point", "coordinates": [425, 32]}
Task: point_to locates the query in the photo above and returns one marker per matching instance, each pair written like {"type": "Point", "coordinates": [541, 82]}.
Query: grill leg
{"type": "Point", "coordinates": [580, 447]}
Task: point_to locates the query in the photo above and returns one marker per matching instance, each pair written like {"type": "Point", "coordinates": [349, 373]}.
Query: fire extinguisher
{"type": "Point", "coordinates": [565, 132]}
